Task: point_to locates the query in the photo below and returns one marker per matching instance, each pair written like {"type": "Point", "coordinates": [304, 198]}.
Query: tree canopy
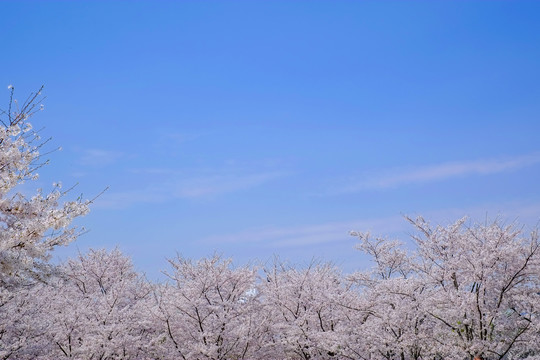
{"type": "Point", "coordinates": [462, 291]}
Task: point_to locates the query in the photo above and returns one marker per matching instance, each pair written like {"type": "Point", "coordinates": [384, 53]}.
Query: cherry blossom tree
{"type": "Point", "coordinates": [30, 226]}
{"type": "Point", "coordinates": [22, 326]}
{"type": "Point", "coordinates": [309, 310]}
{"type": "Point", "coordinates": [96, 309]}
{"type": "Point", "coordinates": [465, 291]}
{"type": "Point", "coordinates": [482, 287]}
{"type": "Point", "coordinates": [394, 325]}
{"type": "Point", "coordinates": [206, 311]}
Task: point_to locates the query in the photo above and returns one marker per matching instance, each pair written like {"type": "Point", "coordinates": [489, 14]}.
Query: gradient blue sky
{"type": "Point", "coordinates": [254, 128]}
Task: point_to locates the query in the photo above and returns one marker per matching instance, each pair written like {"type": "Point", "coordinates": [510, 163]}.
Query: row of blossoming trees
{"type": "Point", "coordinates": [455, 292]}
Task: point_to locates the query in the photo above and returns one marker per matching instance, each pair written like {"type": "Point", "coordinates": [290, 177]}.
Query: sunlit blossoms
{"type": "Point", "coordinates": [32, 225]}
{"type": "Point", "coordinates": [464, 292]}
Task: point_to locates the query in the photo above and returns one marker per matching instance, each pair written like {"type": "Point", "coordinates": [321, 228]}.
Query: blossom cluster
{"type": "Point", "coordinates": [464, 292]}
{"type": "Point", "coordinates": [30, 226]}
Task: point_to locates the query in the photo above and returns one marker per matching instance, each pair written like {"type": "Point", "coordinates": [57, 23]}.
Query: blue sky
{"type": "Point", "coordinates": [256, 128]}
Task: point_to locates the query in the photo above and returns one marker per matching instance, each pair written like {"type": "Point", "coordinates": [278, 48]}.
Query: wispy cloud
{"type": "Point", "coordinates": [442, 171]}
{"type": "Point", "coordinates": [527, 214]}
{"type": "Point", "coordinates": [310, 234]}
{"type": "Point", "coordinates": [220, 184]}
{"type": "Point", "coordinates": [126, 199]}
{"type": "Point", "coordinates": [99, 157]}
{"type": "Point", "coordinates": [179, 138]}
{"type": "Point", "coordinates": [177, 187]}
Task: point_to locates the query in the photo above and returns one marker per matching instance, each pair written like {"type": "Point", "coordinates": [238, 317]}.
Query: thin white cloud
{"type": "Point", "coordinates": [99, 157]}
{"type": "Point", "coordinates": [311, 234]}
{"type": "Point", "coordinates": [443, 171]}
{"type": "Point", "coordinates": [125, 199]}
{"type": "Point", "coordinates": [154, 171]}
{"type": "Point", "coordinates": [180, 138]}
{"type": "Point", "coordinates": [177, 187]}
{"type": "Point", "coordinates": [527, 214]}
{"type": "Point", "coordinates": [220, 184]}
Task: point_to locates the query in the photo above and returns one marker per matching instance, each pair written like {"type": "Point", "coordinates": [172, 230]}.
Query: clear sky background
{"type": "Point", "coordinates": [254, 128]}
